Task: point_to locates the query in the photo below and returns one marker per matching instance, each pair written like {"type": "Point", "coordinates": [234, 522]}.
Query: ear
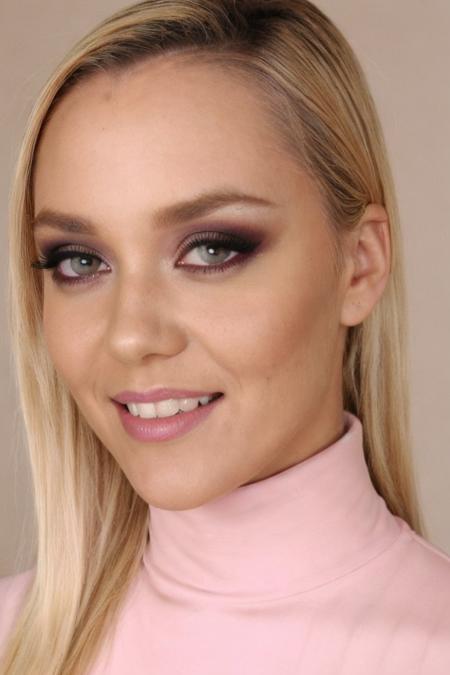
{"type": "Point", "coordinates": [368, 265]}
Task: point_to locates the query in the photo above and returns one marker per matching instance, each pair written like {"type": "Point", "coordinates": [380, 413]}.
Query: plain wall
{"type": "Point", "coordinates": [404, 48]}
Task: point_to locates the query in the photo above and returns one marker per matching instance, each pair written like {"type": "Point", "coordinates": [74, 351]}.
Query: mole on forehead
{"type": "Point", "coordinates": [107, 95]}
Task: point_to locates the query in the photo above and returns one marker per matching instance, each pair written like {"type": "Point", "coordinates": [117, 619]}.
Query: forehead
{"type": "Point", "coordinates": [165, 129]}
{"type": "Point", "coordinates": [163, 103]}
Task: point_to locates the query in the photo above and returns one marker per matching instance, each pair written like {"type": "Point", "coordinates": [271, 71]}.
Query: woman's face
{"type": "Point", "coordinates": [152, 307]}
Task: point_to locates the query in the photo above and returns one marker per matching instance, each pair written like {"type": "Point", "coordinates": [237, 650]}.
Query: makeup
{"type": "Point", "coordinates": [213, 244]}
{"type": "Point", "coordinates": [164, 428]}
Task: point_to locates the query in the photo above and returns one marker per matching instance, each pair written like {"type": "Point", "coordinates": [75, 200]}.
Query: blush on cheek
{"type": "Point", "coordinates": [65, 347]}
{"type": "Point", "coordinates": [285, 339]}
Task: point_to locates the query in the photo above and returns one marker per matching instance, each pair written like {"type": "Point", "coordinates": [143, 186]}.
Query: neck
{"type": "Point", "coordinates": [287, 533]}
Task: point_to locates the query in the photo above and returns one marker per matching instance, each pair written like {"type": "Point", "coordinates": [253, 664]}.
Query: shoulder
{"type": "Point", "coordinates": [12, 593]}
{"type": "Point", "coordinates": [435, 552]}
{"type": "Point", "coordinates": [430, 559]}
{"type": "Point", "coordinates": [434, 565]}
{"type": "Point", "coordinates": [424, 571]}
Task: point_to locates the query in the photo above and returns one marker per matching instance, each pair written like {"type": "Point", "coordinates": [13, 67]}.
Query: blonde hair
{"type": "Point", "coordinates": [92, 526]}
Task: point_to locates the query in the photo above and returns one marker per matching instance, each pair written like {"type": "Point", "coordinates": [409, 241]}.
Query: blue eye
{"type": "Point", "coordinates": [73, 264]}
{"type": "Point", "coordinates": [70, 264]}
{"type": "Point", "coordinates": [213, 246]}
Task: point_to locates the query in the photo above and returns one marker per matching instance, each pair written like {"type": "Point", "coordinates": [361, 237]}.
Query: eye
{"type": "Point", "coordinates": [79, 264]}
{"type": "Point", "coordinates": [214, 250]}
{"type": "Point", "coordinates": [204, 252]}
{"type": "Point", "coordinates": [71, 265]}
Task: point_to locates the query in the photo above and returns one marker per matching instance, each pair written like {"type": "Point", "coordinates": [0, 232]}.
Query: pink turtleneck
{"type": "Point", "coordinates": [306, 571]}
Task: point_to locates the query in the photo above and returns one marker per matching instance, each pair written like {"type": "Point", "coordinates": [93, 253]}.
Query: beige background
{"type": "Point", "coordinates": [404, 48]}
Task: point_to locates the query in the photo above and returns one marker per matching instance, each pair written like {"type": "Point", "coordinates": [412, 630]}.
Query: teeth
{"type": "Point", "coordinates": [132, 407]}
{"type": "Point", "coordinates": [166, 408]}
{"type": "Point", "coordinates": [187, 404]}
{"type": "Point", "coordinates": [146, 410]}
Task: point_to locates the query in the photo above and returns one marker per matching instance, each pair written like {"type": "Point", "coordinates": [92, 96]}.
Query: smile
{"type": "Point", "coordinates": [172, 423]}
{"type": "Point", "coordinates": [168, 407]}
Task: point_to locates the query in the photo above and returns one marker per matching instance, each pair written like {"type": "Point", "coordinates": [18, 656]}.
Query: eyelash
{"type": "Point", "coordinates": [219, 240]}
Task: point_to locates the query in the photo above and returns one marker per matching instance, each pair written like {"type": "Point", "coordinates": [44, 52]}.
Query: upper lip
{"type": "Point", "coordinates": [160, 394]}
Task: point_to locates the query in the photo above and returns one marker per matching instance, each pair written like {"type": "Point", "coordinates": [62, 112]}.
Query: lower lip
{"type": "Point", "coordinates": [164, 428]}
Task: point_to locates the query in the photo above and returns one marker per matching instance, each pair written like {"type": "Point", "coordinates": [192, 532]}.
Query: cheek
{"type": "Point", "coordinates": [283, 333]}
{"type": "Point", "coordinates": [276, 345]}
{"type": "Point", "coordinates": [68, 337]}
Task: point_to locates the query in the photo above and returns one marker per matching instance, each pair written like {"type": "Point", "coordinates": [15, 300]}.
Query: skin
{"type": "Point", "coordinates": [268, 332]}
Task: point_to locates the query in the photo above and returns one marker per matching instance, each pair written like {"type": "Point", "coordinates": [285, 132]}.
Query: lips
{"type": "Point", "coordinates": [164, 428]}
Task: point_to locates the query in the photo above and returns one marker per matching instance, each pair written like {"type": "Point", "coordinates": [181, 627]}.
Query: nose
{"type": "Point", "coordinates": [142, 321]}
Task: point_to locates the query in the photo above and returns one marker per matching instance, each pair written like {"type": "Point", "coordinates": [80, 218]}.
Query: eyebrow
{"type": "Point", "coordinates": [174, 214]}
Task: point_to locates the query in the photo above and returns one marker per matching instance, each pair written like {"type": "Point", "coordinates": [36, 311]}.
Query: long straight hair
{"type": "Point", "coordinates": [92, 526]}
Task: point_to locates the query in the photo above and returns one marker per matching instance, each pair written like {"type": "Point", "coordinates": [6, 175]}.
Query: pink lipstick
{"type": "Point", "coordinates": [163, 428]}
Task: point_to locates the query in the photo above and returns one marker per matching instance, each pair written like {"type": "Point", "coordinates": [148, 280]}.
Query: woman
{"type": "Point", "coordinates": [208, 309]}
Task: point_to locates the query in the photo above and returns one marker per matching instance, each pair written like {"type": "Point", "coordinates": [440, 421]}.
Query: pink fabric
{"type": "Point", "coordinates": [305, 572]}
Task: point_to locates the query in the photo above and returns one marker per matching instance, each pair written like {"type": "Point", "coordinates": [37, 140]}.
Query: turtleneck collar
{"type": "Point", "coordinates": [291, 532]}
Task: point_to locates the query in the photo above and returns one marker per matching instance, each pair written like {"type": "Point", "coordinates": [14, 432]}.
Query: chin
{"type": "Point", "coordinates": [175, 502]}
{"type": "Point", "coordinates": [172, 497]}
